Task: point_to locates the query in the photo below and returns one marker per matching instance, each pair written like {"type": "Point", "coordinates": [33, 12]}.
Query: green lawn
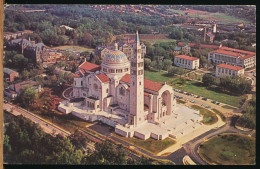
{"type": "Point", "coordinates": [229, 149]}
{"type": "Point", "coordinates": [208, 116]}
{"type": "Point", "coordinates": [193, 87]}
{"type": "Point", "coordinates": [198, 89]}
{"type": "Point", "coordinates": [74, 48]}
{"type": "Point", "coordinates": [157, 76]}
{"type": "Point", "coordinates": [151, 145]}
{"type": "Point", "coordinates": [222, 116]}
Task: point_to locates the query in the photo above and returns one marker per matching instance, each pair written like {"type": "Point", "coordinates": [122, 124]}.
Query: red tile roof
{"type": "Point", "coordinates": [247, 56]}
{"type": "Point", "coordinates": [103, 77]}
{"type": "Point", "coordinates": [148, 84]}
{"type": "Point", "coordinates": [90, 67]}
{"type": "Point", "coordinates": [186, 57]}
{"type": "Point", "coordinates": [220, 51]}
{"type": "Point", "coordinates": [77, 75]}
{"type": "Point", "coordinates": [230, 67]}
{"type": "Point", "coordinates": [238, 51]}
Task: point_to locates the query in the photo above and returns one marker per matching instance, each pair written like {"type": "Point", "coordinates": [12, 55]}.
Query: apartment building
{"type": "Point", "coordinates": [233, 57]}
{"type": "Point", "coordinates": [228, 70]}
{"type": "Point", "coordinates": [186, 62]}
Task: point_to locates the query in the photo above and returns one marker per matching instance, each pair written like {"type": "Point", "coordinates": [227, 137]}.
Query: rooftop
{"type": "Point", "coordinates": [18, 86]}
{"type": "Point", "coordinates": [220, 51]}
{"type": "Point", "coordinates": [90, 67]}
{"type": "Point", "coordinates": [237, 68]}
{"type": "Point", "coordinates": [102, 77]}
{"type": "Point", "coordinates": [148, 84]}
{"type": "Point", "coordinates": [186, 57]}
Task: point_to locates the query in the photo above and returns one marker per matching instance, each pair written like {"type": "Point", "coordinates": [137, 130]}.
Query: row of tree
{"type": "Point", "coordinates": [236, 85]}
{"type": "Point", "coordinates": [25, 143]}
{"type": "Point", "coordinates": [248, 119]}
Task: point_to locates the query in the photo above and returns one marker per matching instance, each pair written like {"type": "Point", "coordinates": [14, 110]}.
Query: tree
{"type": "Point", "coordinates": [51, 69]}
{"type": "Point", "coordinates": [27, 96]}
{"type": "Point", "coordinates": [167, 63]}
{"type": "Point", "coordinates": [159, 66]}
{"type": "Point", "coordinates": [20, 61]}
{"type": "Point", "coordinates": [7, 146]}
{"type": "Point", "coordinates": [208, 80]}
{"type": "Point", "coordinates": [147, 63]}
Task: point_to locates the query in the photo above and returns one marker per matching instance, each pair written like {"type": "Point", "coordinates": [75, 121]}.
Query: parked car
{"type": "Point", "coordinates": [204, 98]}
{"type": "Point", "coordinates": [213, 101]}
{"type": "Point", "coordinates": [208, 107]}
{"type": "Point", "coordinates": [202, 105]}
{"type": "Point", "coordinates": [184, 92]}
{"type": "Point", "coordinates": [192, 101]}
{"type": "Point", "coordinates": [180, 97]}
{"type": "Point", "coordinates": [217, 103]}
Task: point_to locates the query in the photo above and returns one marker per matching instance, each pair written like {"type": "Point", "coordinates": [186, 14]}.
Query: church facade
{"type": "Point", "coordinates": [117, 93]}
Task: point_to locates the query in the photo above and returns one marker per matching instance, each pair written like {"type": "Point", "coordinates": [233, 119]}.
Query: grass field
{"type": "Point", "coordinates": [210, 16]}
{"type": "Point", "coordinates": [157, 76]}
{"type": "Point", "coordinates": [151, 145]}
{"type": "Point", "coordinates": [208, 116]}
{"type": "Point", "coordinates": [198, 89]}
{"type": "Point", "coordinates": [229, 149]}
{"type": "Point", "coordinates": [194, 87]}
{"type": "Point", "coordinates": [222, 116]}
{"type": "Point", "coordinates": [74, 48]}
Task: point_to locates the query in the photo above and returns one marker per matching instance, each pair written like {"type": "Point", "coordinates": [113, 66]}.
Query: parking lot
{"type": "Point", "coordinates": [201, 101]}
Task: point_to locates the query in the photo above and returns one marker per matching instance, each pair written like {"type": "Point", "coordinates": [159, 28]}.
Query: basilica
{"type": "Point", "coordinates": [117, 94]}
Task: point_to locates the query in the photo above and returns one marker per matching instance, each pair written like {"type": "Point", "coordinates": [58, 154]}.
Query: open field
{"type": "Point", "coordinates": [194, 87]}
{"type": "Point", "coordinates": [229, 149]}
{"type": "Point", "coordinates": [208, 116]}
{"type": "Point", "coordinates": [151, 145]}
{"type": "Point", "coordinates": [74, 48]}
{"type": "Point", "coordinates": [209, 16]}
{"type": "Point", "coordinates": [157, 76]}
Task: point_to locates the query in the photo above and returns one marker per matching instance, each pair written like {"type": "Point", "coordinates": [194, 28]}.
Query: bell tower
{"type": "Point", "coordinates": [136, 115]}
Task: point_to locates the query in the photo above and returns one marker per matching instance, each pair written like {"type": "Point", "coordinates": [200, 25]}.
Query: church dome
{"type": "Point", "coordinates": [115, 57]}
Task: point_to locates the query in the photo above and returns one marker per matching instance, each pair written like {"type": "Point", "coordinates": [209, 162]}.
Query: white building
{"type": "Point", "coordinates": [187, 62]}
{"type": "Point", "coordinates": [233, 57]}
{"type": "Point", "coordinates": [117, 94]}
{"type": "Point", "coordinates": [228, 70]}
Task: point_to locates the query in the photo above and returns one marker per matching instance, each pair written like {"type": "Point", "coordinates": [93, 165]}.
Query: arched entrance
{"type": "Point", "coordinates": [166, 103]}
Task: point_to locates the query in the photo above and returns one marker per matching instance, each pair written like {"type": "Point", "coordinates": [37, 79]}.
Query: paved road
{"type": "Point", "coordinates": [46, 126]}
